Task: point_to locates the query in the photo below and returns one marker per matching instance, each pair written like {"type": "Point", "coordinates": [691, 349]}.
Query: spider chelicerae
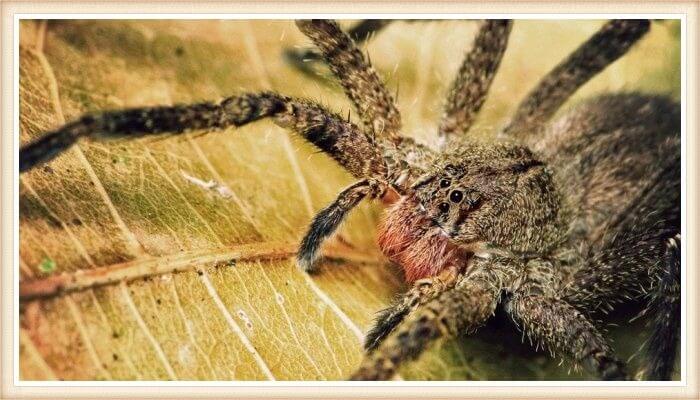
{"type": "Point", "coordinates": [557, 221]}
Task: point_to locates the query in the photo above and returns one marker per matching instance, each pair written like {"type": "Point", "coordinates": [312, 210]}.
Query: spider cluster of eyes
{"type": "Point", "coordinates": [456, 196]}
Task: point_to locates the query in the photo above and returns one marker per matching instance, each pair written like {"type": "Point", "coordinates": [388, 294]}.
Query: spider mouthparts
{"type": "Point", "coordinates": [416, 242]}
{"type": "Point", "coordinates": [391, 195]}
{"type": "Point", "coordinates": [402, 179]}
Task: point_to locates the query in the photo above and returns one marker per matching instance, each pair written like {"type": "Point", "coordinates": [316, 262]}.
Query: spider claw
{"type": "Point", "coordinates": [306, 258]}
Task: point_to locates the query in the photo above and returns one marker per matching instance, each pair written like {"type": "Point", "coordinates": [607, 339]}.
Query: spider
{"type": "Point", "coordinates": [557, 221]}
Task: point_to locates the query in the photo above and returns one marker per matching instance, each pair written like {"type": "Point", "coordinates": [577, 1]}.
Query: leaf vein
{"type": "Point", "coordinates": [142, 325]}
{"type": "Point", "coordinates": [26, 341]}
{"type": "Point", "coordinates": [80, 324]}
{"type": "Point", "coordinates": [132, 243]}
{"type": "Point", "coordinates": [235, 327]}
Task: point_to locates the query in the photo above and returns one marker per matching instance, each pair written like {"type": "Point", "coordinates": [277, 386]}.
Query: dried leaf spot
{"type": "Point", "coordinates": [185, 356]}
{"type": "Point", "coordinates": [244, 317]}
{"type": "Point", "coordinates": [211, 185]}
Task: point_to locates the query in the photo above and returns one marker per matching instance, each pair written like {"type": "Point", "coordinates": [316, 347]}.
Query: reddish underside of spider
{"type": "Point", "coordinates": [408, 237]}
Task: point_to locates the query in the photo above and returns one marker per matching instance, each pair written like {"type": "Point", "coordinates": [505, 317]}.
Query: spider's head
{"type": "Point", "coordinates": [484, 196]}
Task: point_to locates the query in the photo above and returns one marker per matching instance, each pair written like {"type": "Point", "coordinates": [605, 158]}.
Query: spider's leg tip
{"type": "Point", "coordinates": [307, 262]}
{"type": "Point", "coordinates": [370, 344]}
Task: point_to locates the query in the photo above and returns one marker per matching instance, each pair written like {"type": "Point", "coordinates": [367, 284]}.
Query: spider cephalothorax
{"type": "Point", "coordinates": [539, 223]}
{"type": "Point", "coordinates": [484, 197]}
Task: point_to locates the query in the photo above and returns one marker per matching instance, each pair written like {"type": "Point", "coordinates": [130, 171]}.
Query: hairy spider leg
{"type": "Point", "coordinates": [662, 348]}
{"type": "Point", "coordinates": [471, 85]}
{"type": "Point", "coordinates": [558, 326]}
{"type": "Point", "coordinates": [373, 102]}
{"type": "Point", "coordinates": [457, 310]}
{"type": "Point", "coordinates": [328, 220]}
{"type": "Point", "coordinates": [331, 133]}
{"type": "Point", "coordinates": [612, 41]}
{"type": "Point", "coordinates": [304, 59]}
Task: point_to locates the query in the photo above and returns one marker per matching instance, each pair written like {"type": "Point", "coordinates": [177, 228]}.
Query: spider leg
{"type": "Point", "coordinates": [138, 122]}
{"type": "Point", "coordinates": [306, 58]}
{"type": "Point", "coordinates": [605, 46]}
{"type": "Point", "coordinates": [329, 219]}
{"type": "Point", "coordinates": [341, 139]}
{"type": "Point", "coordinates": [560, 327]}
{"type": "Point", "coordinates": [422, 291]}
{"type": "Point", "coordinates": [362, 85]}
{"type": "Point", "coordinates": [469, 89]}
{"type": "Point", "coordinates": [666, 306]}
{"type": "Point", "coordinates": [367, 28]}
{"type": "Point", "coordinates": [454, 311]}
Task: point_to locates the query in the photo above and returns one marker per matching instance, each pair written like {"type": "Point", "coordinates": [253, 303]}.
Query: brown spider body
{"type": "Point", "coordinates": [478, 195]}
{"type": "Point", "coordinates": [563, 220]}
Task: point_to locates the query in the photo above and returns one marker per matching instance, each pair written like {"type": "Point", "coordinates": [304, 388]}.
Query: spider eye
{"type": "Point", "coordinates": [445, 183]}
{"type": "Point", "coordinates": [450, 168]}
{"type": "Point", "coordinates": [443, 207]}
{"type": "Point", "coordinates": [456, 196]}
{"type": "Point", "coordinates": [474, 203]}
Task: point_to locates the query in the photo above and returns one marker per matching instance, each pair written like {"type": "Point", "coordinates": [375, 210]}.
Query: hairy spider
{"type": "Point", "coordinates": [557, 221]}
